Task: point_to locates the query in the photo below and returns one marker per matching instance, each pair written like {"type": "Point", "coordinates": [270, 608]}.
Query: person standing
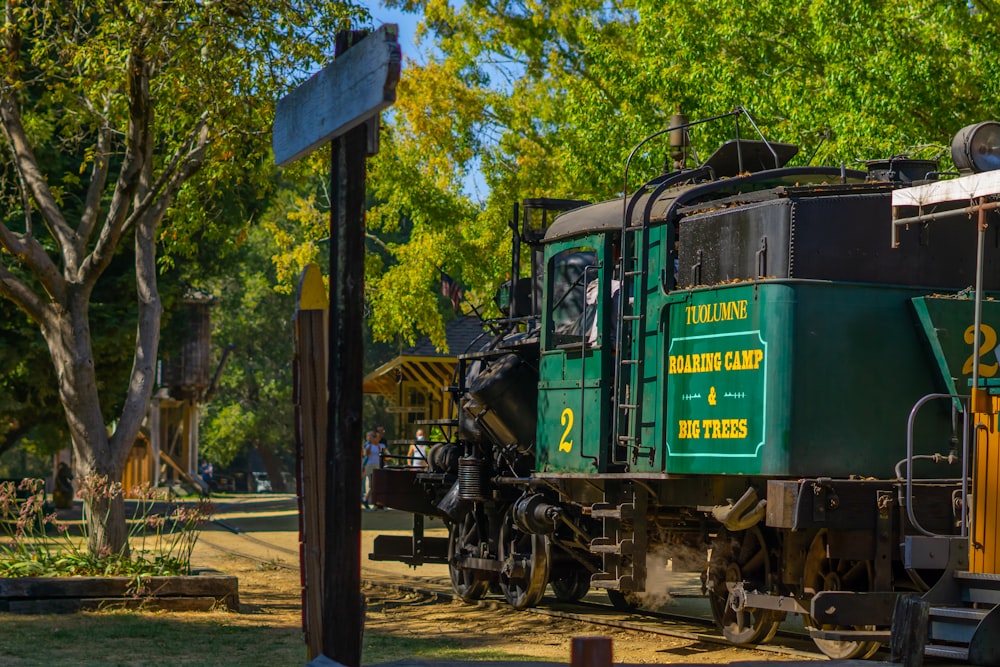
{"type": "Point", "coordinates": [418, 451]}
{"type": "Point", "coordinates": [371, 455]}
{"type": "Point", "coordinates": [207, 475]}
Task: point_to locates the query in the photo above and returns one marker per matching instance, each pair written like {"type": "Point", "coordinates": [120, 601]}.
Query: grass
{"type": "Point", "coordinates": [381, 648]}
{"type": "Point", "coordinates": [138, 639]}
{"type": "Point", "coordinates": [127, 639]}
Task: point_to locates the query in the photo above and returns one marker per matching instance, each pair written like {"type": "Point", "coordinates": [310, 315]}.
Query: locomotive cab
{"type": "Point", "coordinates": [577, 353]}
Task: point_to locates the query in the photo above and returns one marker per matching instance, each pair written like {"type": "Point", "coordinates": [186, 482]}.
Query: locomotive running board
{"type": "Point", "coordinates": [846, 608]}
{"type": "Point", "coordinates": [401, 548]}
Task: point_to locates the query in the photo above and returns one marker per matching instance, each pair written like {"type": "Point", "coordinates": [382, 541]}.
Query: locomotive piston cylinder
{"type": "Point", "coordinates": [533, 515]}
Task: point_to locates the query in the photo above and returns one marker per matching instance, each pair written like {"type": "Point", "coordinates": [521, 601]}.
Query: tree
{"type": "Point", "coordinates": [132, 121]}
{"type": "Point", "coordinates": [253, 405]}
{"type": "Point", "coordinates": [548, 98]}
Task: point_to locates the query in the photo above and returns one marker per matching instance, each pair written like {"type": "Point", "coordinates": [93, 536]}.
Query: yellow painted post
{"type": "Point", "coordinates": [984, 550]}
{"type": "Point", "coordinates": [311, 422]}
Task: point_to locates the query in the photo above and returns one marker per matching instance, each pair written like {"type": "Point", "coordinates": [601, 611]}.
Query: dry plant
{"type": "Point", "coordinates": [34, 543]}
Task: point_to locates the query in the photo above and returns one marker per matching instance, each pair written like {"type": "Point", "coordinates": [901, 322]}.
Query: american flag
{"type": "Point", "coordinates": [452, 290]}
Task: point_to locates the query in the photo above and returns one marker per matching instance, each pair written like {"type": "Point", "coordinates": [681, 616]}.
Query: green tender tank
{"type": "Point", "coordinates": [795, 378]}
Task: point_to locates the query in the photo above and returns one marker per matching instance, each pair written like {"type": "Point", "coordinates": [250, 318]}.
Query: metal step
{"type": "Point", "coordinates": [952, 652]}
{"type": "Point", "coordinates": [976, 587]}
{"type": "Point", "coordinates": [953, 624]}
{"type": "Point", "coordinates": [604, 545]}
{"type": "Point", "coordinates": [608, 511]}
{"type": "Point", "coordinates": [967, 614]}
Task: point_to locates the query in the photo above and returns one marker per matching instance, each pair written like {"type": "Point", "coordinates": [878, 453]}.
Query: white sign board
{"type": "Point", "coordinates": [964, 188]}
{"type": "Point", "coordinates": [356, 86]}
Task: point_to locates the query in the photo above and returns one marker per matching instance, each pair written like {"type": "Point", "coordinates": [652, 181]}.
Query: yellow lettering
{"type": "Point", "coordinates": [688, 429]}
{"type": "Point", "coordinates": [989, 343]}
{"type": "Point", "coordinates": [728, 429]}
{"type": "Point", "coordinates": [566, 419]}
{"type": "Point", "coordinates": [719, 311]}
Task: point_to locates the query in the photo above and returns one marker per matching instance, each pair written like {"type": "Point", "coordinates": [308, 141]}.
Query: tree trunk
{"type": "Point", "coordinates": [107, 532]}
{"type": "Point", "coordinates": [69, 343]}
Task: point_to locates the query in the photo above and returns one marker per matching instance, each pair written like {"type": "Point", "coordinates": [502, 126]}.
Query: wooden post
{"type": "Point", "coordinates": [909, 630]}
{"type": "Point", "coordinates": [309, 369]}
{"type": "Point", "coordinates": [591, 652]}
{"type": "Point", "coordinates": [340, 104]}
{"type": "Point", "coordinates": [342, 562]}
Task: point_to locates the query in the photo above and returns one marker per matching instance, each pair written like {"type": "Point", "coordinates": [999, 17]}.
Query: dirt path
{"type": "Point", "coordinates": [270, 595]}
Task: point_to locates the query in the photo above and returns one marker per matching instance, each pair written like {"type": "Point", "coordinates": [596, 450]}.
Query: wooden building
{"type": "Point", "coordinates": [413, 383]}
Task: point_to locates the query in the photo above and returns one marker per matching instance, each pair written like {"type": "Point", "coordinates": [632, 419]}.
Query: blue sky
{"type": "Point", "coordinates": [407, 26]}
{"type": "Point", "coordinates": [474, 186]}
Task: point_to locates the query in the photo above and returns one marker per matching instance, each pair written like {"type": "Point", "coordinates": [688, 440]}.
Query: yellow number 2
{"type": "Point", "coordinates": [988, 345]}
{"type": "Point", "coordinates": [566, 419]}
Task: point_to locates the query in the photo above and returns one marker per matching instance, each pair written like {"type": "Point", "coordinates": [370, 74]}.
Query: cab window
{"type": "Point", "coordinates": [570, 272]}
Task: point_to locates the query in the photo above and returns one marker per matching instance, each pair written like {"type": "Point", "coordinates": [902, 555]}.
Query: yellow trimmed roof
{"type": "Point", "coordinates": [423, 364]}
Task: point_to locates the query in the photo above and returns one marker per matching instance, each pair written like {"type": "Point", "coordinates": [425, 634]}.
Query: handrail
{"type": "Point", "coordinates": [963, 525]}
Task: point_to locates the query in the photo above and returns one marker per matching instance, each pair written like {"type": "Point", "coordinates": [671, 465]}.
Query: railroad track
{"type": "Point", "coordinates": [593, 609]}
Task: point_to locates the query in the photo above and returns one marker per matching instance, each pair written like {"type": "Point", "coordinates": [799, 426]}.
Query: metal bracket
{"type": "Point", "coordinates": [883, 541]}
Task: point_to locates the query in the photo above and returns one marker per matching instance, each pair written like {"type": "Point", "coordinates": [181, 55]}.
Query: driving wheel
{"type": "Point", "coordinates": [572, 586]}
{"type": "Point", "coordinates": [464, 541]}
{"type": "Point", "coordinates": [623, 601]}
{"type": "Point", "coordinates": [740, 557]}
{"type": "Point", "coordinates": [524, 570]}
{"type": "Point", "coordinates": [821, 573]}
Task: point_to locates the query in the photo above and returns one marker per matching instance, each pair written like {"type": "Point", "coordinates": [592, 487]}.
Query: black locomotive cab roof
{"type": "Point", "coordinates": [668, 200]}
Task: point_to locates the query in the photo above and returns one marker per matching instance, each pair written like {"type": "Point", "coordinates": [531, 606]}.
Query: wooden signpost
{"type": "Point", "coordinates": [338, 105]}
{"type": "Point", "coordinates": [354, 88]}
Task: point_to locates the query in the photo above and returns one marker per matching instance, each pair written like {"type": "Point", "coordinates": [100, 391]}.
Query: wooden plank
{"type": "Point", "coordinates": [310, 437]}
{"type": "Point", "coordinates": [73, 605]}
{"type": "Point", "coordinates": [355, 87]}
{"type": "Point", "coordinates": [196, 483]}
{"type": "Point", "coordinates": [78, 587]}
{"type": "Point", "coordinates": [964, 188]}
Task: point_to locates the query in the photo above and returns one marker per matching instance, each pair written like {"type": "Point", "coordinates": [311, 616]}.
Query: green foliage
{"type": "Point", "coordinates": [161, 537]}
{"type": "Point", "coordinates": [73, 77]}
{"type": "Point", "coordinates": [548, 98]}
{"type": "Point", "coordinates": [253, 406]}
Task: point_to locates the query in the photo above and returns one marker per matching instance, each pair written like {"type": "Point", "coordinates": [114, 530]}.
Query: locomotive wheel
{"type": "Point", "coordinates": [525, 565]}
{"type": "Point", "coordinates": [740, 557]}
{"type": "Point", "coordinates": [572, 587]}
{"type": "Point", "coordinates": [821, 573]}
{"type": "Point", "coordinates": [623, 601]}
{"type": "Point", "coordinates": [464, 539]}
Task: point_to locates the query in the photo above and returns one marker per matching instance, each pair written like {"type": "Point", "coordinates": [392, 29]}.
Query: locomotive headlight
{"type": "Point", "coordinates": [976, 148]}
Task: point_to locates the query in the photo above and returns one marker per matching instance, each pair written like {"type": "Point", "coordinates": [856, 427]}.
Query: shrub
{"type": "Point", "coordinates": [33, 542]}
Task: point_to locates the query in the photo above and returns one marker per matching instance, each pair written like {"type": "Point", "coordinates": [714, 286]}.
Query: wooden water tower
{"type": "Point", "coordinates": [183, 380]}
